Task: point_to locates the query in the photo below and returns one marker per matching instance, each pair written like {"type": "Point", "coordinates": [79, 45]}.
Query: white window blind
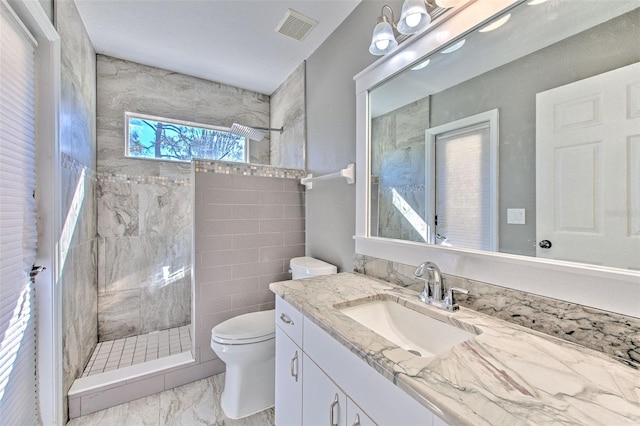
{"type": "Point", "coordinates": [18, 236]}
{"type": "Point", "coordinates": [463, 188]}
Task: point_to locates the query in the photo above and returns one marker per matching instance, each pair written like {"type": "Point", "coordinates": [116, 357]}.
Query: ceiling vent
{"type": "Point", "coordinates": [296, 25]}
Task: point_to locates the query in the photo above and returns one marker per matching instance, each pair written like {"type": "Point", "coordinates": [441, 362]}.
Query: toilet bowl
{"type": "Point", "coordinates": [246, 344]}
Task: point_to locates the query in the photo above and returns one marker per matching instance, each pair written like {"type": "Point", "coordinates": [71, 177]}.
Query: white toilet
{"type": "Point", "coordinates": [246, 344]}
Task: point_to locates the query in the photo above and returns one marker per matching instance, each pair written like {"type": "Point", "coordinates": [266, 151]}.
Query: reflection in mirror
{"type": "Point", "coordinates": [549, 71]}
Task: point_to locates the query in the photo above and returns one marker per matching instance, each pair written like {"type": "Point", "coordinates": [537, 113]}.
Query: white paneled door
{"type": "Point", "coordinates": [588, 170]}
{"type": "Point", "coordinates": [18, 235]}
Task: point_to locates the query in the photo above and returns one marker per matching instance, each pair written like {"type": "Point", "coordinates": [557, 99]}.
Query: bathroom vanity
{"type": "Point", "coordinates": [333, 368]}
{"type": "Point", "coordinates": [318, 381]}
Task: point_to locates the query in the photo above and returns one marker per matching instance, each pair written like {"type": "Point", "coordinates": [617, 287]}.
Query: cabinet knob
{"type": "Point", "coordinates": [545, 244]}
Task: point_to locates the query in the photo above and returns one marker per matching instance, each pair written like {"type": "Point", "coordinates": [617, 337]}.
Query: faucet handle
{"type": "Point", "coordinates": [449, 301]}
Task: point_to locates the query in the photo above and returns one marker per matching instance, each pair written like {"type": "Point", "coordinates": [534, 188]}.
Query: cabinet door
{"type": "Point", "coordinates": [357, 417]}
{"type": "Point", "coordinates": [323, 403]}
{"type": "Point", "coordinates": [288, 409]}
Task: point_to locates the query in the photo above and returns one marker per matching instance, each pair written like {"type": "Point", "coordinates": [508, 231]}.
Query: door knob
{"type": "Point", "coordinates": [545, 244]}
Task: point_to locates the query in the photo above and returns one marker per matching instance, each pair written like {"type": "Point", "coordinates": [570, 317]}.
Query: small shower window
{"type": "Point", "coordinates": [158, 138]}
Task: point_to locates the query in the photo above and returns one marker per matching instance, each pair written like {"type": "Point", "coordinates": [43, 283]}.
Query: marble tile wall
{"type": "Point", "coordinates": [607, 332]}
{"type": "Point", "coordinates": [144, 255]}
{"type": "Point", "coordinates": [397, 161]}
{"type": "Point", "coordinates": [128, 86]}
{"type": "Point", "coordinates": [78, 245]}
{"type": "Point", "coordinates": [288, 111]}
{"type": "Point", "coordinates": [144, 207]}
{"type": "Point", "coordinates": [249, 227]}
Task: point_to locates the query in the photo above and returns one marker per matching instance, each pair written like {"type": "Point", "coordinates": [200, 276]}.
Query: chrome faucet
{"type": "Point", "coordinates": [433, 292]}
{"type": "Point", "coordinates": [432, 284]}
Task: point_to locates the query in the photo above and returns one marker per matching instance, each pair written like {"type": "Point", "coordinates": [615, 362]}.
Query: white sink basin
{"type": "Point", "coordinates": [413, 331]}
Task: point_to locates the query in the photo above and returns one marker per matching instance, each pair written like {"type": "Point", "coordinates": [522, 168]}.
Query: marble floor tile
{"type": "Point", "coordinates": [196, 403]}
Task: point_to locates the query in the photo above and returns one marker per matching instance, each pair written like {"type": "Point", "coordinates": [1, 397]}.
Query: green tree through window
{"type": "Point", "coordinates": [166, 139]}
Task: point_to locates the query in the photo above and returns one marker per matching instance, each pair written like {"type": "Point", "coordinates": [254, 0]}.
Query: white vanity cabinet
{"type": "Point", "coordinates": [288, 380]}
{"type": "Point", "coordinates": [334, 386]}
{"type": "Point", "coordinates": [288, 365]}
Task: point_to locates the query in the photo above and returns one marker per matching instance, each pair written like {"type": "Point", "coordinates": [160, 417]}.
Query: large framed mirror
{"type": "Point", "coordinates": [519, 135]}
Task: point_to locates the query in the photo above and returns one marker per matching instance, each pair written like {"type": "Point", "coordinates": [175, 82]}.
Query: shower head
{"type": "Point", "coordinates": [253, 133]}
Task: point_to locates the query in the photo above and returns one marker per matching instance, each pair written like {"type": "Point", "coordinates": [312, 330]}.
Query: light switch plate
{"type": "Point", "coordinates": [516, 216]}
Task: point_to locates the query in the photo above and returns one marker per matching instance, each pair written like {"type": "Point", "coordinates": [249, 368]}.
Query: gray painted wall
{"type": "Point", "coordinates": [331, 132]}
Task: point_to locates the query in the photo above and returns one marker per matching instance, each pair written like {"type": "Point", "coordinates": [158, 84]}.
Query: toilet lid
{"type": "Point", "coordinates": [246, 328]}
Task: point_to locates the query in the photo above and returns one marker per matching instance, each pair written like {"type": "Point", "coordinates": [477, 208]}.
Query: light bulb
{"type": "Point", "coordinates": [413, 19]}
{"type": "Point", "coordinates": [382, 44]}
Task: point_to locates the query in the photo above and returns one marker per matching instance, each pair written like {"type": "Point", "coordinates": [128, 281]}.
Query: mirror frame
{"type": "Point", "coordinates": [610, 289]}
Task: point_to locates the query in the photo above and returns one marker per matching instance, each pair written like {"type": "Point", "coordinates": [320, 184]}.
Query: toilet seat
{"type": "Point", "coordinates": [245, 329]}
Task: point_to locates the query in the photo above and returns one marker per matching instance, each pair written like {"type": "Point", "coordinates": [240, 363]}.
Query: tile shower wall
{"type": "Point", "coordinates": [144, 255]}
{"type": "Point", "coordinates": [78, 203]}
{"type": "Point", "coordinates": [614, 334]}
{"type": "Point", "coordinates": [145, 207]}
{"type": "Point", "coordinates": [397, 164]}
{"type": "Point", "coordinates": [288, 111]}
{"type": "Point", "coordinates": [250, 223]}
{"type": "Point", "coordinates": [128, 86]}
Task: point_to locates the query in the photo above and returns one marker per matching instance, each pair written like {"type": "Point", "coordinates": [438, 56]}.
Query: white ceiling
{"type": "Point", "coordinates": [229, 41]}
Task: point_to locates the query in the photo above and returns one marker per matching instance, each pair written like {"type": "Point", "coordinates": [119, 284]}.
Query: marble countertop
{"type": "Point", "coordinates": [508, 374]}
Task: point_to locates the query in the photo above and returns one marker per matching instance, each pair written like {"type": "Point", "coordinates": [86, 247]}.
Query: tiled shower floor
{"type": "Point", "coordinates": [114, 354]}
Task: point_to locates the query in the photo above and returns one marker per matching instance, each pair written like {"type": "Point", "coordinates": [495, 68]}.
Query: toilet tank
{"type": "Point", "coordinates": [305, 267]}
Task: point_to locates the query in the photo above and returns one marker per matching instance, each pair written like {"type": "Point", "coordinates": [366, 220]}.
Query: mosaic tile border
{"type": "Point", "coordinates": [69, 163]}
{"type": "Point", "coordinates": [201, 166]}
{"type": "Point", "coordinates": [247, 169]}
{"type": "Point", "coordinates": [142, 179]}
{"type": "Point", "coordinates": [613, 334]}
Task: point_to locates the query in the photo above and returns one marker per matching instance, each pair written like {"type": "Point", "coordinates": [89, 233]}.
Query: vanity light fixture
{"type": "Point", "coordinates": [383, 40]}
{"type": "Point", "coordinates": [495, 24]}
{"type": "Point", "coordinates": [536, 2]}
{"type": "Point", "coordinates": [414, 18]}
